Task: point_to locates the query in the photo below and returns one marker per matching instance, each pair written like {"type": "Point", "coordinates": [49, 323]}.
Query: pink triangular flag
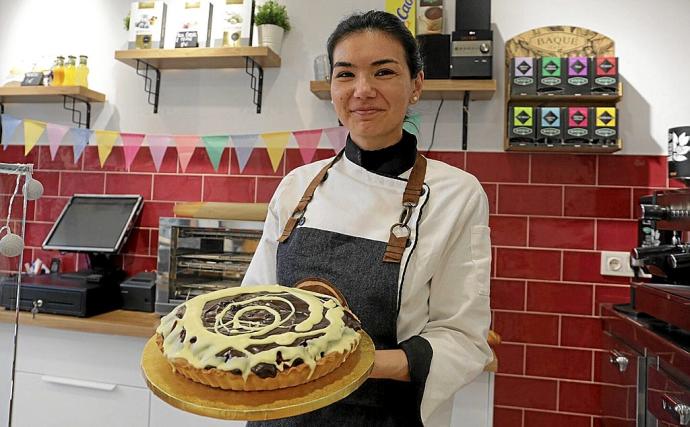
{"type": "Point", "coordinates": [186, 144]}
{"type": "Point", "coordinates": [55, 135]}
{"type": "Point", "coordinates": [308, 140]}
{"type": "Point", "coordinates": [157, 145]}
{"type": "Point", "coordinates": [337, 137]}
{"type": "Point", "coordinates": [131, 142]}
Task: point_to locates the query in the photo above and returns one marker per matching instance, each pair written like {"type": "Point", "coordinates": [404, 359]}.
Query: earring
{"type": "Point", "coordinates": [415, 99]}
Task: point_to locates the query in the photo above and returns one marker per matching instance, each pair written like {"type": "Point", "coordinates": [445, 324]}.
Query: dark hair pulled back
{"type": "Point", "coordinates": [376, 20]}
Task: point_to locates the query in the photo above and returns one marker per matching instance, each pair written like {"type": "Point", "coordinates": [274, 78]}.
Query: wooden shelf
{"type": "Point", "coordinates": [118, 322]}
{"type": "Point", "coordinates": [566, 100]}
{"type": "Point", "coordinates": [43, 94]}
{"type": "Point", "coordinates": [199, 57]}
{"type": "Point", "coordinates": [582, 149]}
{"type": "Point", "coordinates": [480, 90]}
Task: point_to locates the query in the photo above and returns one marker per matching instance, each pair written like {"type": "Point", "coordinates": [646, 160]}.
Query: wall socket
{"type": "Point", "coordinates": [616, 264]}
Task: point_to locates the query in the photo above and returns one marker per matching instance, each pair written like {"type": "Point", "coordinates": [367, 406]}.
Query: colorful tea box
{"type": "Point", "coordinates": [579, 78]}
{"type": "Point", "coordinates": [521, 124]}
{"type": "Point", "coordinates": [523, 76]}
{"type": "Point", "coordinates": [549, 128]}
{"type": "Point", "coordinates": [551, 75]}
{"type": "Point", "coordinates": [605, 125]}
{"type": "Point", "coordinates": [193, 27]}
{"type": "Point", "coordinates": [147, 25]}
{"type": "Point", "coordinates": [578, 129]}
{"type": "Point", "coordinates": [605, 75]}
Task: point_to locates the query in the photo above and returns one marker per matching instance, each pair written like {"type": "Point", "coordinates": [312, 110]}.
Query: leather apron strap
{"type": "Point", "coordinates": [400, 231]}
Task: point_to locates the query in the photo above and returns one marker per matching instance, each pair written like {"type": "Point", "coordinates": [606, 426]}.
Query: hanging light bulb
{"type": "Point", "coordinates": [33, 189]}
{"type": "Point", "coordinates": [11, 245]}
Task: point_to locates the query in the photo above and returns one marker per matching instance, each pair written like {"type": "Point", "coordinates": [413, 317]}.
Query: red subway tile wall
{"type": "Point", "coordinates": [551, 215]}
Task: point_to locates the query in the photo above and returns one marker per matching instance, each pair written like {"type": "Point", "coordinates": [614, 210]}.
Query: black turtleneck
{"type": "Point", "coordinates": [390, 161]}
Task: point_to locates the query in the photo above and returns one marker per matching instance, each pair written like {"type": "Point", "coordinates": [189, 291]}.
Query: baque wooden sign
{"type": "Point", "coordinates": [559, 41]}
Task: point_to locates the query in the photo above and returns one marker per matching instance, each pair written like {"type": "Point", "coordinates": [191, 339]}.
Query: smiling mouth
{"type": "Point", "coordinates": [365, 112]}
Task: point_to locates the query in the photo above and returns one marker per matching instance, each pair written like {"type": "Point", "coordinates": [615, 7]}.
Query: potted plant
{"type": "Point", "coordinates": [272, 21]}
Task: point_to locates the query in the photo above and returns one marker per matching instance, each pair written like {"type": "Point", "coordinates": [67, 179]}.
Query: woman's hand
{"type": "Point", "coordinates": [390, 364]}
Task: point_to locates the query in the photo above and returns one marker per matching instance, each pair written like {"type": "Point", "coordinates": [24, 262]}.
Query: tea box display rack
{"type": "Point", "coordinates": [530, 110]}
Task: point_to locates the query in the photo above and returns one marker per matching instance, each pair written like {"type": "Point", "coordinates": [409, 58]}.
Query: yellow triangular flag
{"type": "Point", "coordinates": [275, 145]}
{"type": "Point", "coordinates": [105, 139]}
{"type": "Point", "coordinates": [33, 130]}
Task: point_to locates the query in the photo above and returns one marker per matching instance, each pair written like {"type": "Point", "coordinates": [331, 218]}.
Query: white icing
{"type": "Point", "coordinates": [337, 337]}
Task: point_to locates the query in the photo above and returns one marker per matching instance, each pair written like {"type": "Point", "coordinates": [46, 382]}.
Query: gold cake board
{"type": "Point", "coordinates": [200, 399]}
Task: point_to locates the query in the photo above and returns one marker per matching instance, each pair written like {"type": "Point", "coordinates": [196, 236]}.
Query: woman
{"type": "Point", "coordinates": [405, 239]}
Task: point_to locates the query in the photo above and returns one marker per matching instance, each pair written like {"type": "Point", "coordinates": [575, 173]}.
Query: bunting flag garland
{"type": "Point", "coordinates": [105, 139]}
{"type": "Point", "coordinates": [33, 130]}
{"type": "Point", "coordinates": [307, 141]}
{"type": "Point", "coordinates": [275, 145]}
{"type": "Point", "coordinates": [214, 147]}
{"type": "Point", "coordinates": [412, 123]}
{"type": "Point", "coordinates": [158, 144]}
{"type": "Point", "coordinates": [55, 135]}
{"type": "Point", "coordinates": [244, 145]}
{"type": "Point", "coordinates": [337, 137]}
{"type": "Point", "coordinates": [9, 125]}
{"type": "Point", "coordinates": [82, 138]}
{"type": "Point", "coordinates": [186, 144]}
{"type": "Point", "coordinates": [131, 142]}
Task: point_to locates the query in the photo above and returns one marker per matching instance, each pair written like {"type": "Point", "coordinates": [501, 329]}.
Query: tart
{"type": "Point", "coordinates": [258, 337]}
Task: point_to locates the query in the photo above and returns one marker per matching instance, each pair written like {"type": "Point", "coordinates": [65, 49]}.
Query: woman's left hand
{"type": "Point", "coordinates": [390, 364]}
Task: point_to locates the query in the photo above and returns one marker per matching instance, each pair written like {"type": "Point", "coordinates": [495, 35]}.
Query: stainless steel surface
{"type": "Point", "coordinates": [617, 359]}
{"type": "Point", "coordinates": [196, 256]}
{"type": "Point", "coordinates": [668, 395]}
{"type": "Point", "coordinates": [622, 374]}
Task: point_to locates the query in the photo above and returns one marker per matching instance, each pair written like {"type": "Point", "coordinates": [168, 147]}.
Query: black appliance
{"type": "Point", "coordinates": [97, 225]}
{"type": "Point", "coordinates": [435, 50]}
{"type": "Point", "coordinates": [139, 292]}
{"type": "Point", "coordinates": [472, 41]}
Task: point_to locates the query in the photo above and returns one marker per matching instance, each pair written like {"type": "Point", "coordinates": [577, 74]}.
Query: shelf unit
{"type": "Point", "coordinates": [479, 90]}
{"type": "Point", "coordinates": [252, 59]}
{"type": "Point", "coordinates": [53, 94]}
{"type": "Point", "coordinates": [573, 41]}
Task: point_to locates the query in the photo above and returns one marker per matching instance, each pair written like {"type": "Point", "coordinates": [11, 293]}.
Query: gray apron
{"type": "Point", "coordinates": [366, 274]}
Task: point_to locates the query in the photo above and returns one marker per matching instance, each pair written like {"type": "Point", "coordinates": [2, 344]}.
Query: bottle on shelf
{"type": "Point", "coordinates": [70, 71]}
{"type": "Point", "coordinates": [82, 74]}
{"type": "Point", "coordinates": [58, 71]}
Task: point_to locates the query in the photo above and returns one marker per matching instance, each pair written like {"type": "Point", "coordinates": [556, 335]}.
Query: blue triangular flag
{"type": "Point", "coordinates": [9, 125]}
{"type": "Point", "coordinates": [81, 139]}
{"type": "Point", "coordinates": [244, 145]}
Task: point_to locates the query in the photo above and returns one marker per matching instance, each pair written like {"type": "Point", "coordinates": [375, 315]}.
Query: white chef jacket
{"type": "Point", "coordinates": [444, 274]}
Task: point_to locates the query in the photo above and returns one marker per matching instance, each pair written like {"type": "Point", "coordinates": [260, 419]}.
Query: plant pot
{"type": "Point", "coordinates": [271, 36]}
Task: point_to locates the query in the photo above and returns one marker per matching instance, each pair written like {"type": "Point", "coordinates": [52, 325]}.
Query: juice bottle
{"type": "Point", "coordinates": [58, 71]}
{"type": "Point", "coordinates": [70, 72]}
{"type": "Point", "coordinates": [82, 73]}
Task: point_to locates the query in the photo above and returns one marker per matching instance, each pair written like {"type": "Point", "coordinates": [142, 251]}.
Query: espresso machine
{"type": "Point", "coordinates": [663, 253]}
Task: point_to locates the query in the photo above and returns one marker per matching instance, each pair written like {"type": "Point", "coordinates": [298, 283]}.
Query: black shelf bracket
{"type": "Point", "coordinates": [76, 114]}
{"type": "Point", "coordinates": [256, 73]}
{"type": "Point", "coordinates": [465, 117]}
{"type": "Point", "coordinates": [143, 71]}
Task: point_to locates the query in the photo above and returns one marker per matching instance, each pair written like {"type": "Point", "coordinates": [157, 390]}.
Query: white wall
{"type": "Point", "coordinates": [652, 41]}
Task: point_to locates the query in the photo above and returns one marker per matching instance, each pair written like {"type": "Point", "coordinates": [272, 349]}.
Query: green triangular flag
{"type": "Point", "coordinates": [215, 144]}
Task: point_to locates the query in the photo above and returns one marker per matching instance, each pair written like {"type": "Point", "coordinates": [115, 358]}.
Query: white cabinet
{"type": "Point", "coordinates": [6, 333]}
{"type": "Point", "coordinates": [52, 401]}
{"type": "Point", "coordinates": [473, 404]}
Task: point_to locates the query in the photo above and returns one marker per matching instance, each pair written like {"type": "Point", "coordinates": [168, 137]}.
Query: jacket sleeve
{"type": "Point", "coordinates": [459, 314]}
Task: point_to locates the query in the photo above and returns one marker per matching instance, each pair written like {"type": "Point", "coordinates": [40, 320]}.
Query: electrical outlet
{"type": "Point", "coordinates": [616, 264]}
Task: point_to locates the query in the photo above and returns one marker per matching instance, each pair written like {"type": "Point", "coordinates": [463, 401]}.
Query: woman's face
{"type": "Point", "coordinates": [371, 88]}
